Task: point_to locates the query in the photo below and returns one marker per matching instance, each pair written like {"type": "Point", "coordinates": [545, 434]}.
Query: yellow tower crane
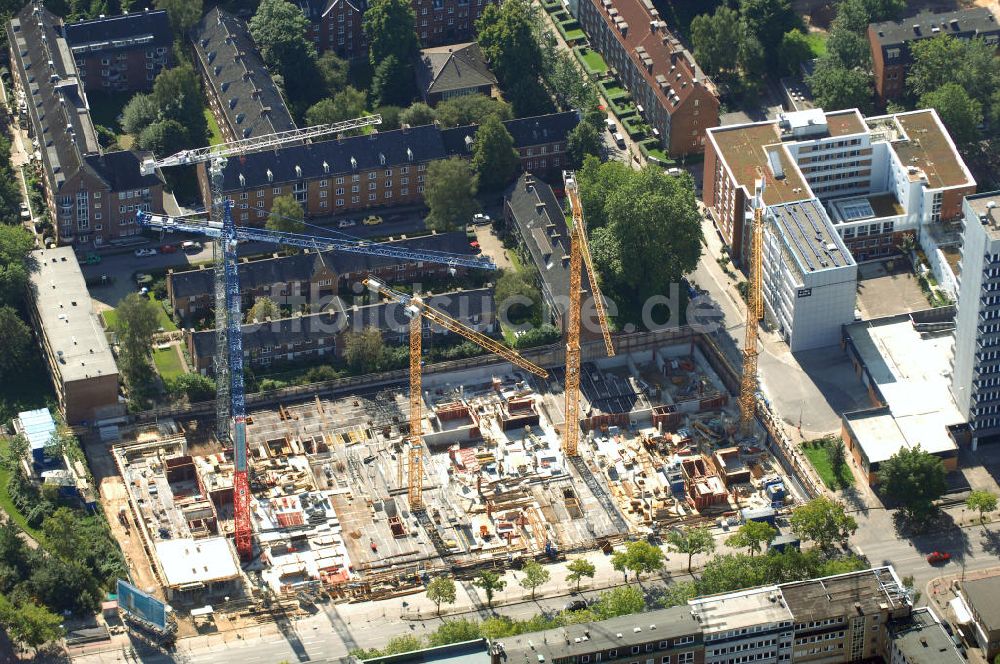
{"type": "Point", "coordinates": [416, 309]}
{"type": "Point", "coordinates": [754, 309]}
{"type": "Point", "coordinates": [579, 253]}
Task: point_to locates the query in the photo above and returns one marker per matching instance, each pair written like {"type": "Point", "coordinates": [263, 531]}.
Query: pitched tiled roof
{"type": "Point", "coordinates": [388, 316]}
{"type": "Point", "coordinates": [456, 67]}
{"type": "Point", "coordinates": [248, 97]}
{"type": "Point", "coordinates": [57, 107]}
{"type": "Point", "coordinates": [138, 30]}
{"type": "Point", "coordinates": [300, 267]}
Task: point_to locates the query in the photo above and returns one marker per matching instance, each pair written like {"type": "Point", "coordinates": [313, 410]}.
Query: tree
{"type": "Point", "coordinates": [691, 541]}
{"type": "Point", "coordinates": [584, 139]}
{"type": "Point", "coordinates": [390, 117]}
{"type": "Point", "coordinates": [347, 104]}
{"type": "Point", "coordinates": [507, 37]}
{"type": "Point", "coordinates": [837, 455]}
{"type": "Point", "coordinates": [823, 521]}
{"type": "Point", "coordinates": [365, 350]}
{"type": "Point", "coordinates": [470, 109]}
{"type": "Point", "coordinates": [836, 87]}
{"type": "Point", "coordinates": [714, 37]}
{"type": "Point", "coordinates": [490, 583]}
{"type": "Point", "coordinates": [194, 386]}
{"type": "Point", "coordinates": [454, 631]}
{"type": "Point", "coordinates": [390, 26]}
{"type": "Point", "coordinates": [621, 601]}
{"type": "Point", "coordinates": [17, 342]}
{"type": "Point", "coordinates": [855, 15]}
{"type": "Point", "coordinates": [28, 623]}
{"type": "Point", "coordinates": [767, 21]}
{"type": "Point", "coordinates": [450, 194]}
{"type": "Point", "coordinates": [578, 569]}
{"type": "Point", "coordinates": [163, 138]}
{"type": "Point", "coordinates": [494, 158]}
{"type": "Point", "coordinates": [177, 93]}
{"type": "Point", "coordinates": [16, 243]}
{"type": "Point", "coordinates": [392, 82]}
{"type": "Point", "coordinates": [518, 297]}
{"type": "Point", "coordinates": [969, 63]}
{"type": "Point", "coordinates": [138, 321]}
{"type": "Point", "coordinates": [279, 30]}
{"type": "Point", "coordinates": [914, 479]}
{"type": "Point", "coordinates": [183, 15]}
{"type": "Point", "coordinates": [619, 561]}
{"type": "Point", "coordinates": [417, 115]}
{"type": "Point", "coordinates": [643, 557]}
{"type": "Point", "coordinates": [981, 501]}
{"type": "Point", "coordinates": [534, 575]}
{"type": "Point", "coordinates": [17, 449]}
{"type": "Point", "coordinates": [752, 536]}
{"type": "Point", "coordinates": [848, 49]}
{"type": "Point", "coordinates": [959, 112]}
{"type": "Point", "coordinates": [286, 215]}
{"type": "Point", "coordinates": [793, 50]}
{"type": "Point", "coordinates": [264, 308]}
{"type": "Point", "coordinates": [140, 112]}
{"type": "Point", "coordinates": [61, 533]}
{"type": "Point", "coordinates": [441, 591]}
{"type": "Point", "coordinates": [333, 70]}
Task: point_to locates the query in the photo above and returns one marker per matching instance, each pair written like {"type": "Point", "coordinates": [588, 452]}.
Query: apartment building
{"type": "Point", "coordinates": [336, 26]}
{"type": "Point", "coordinates": [314, 277]}
{"type": "Point", "coordinates": [80, 361]}
{"type": "Point", "coordinates": [890, 42]}
{"type": "Point", "coordinates": [382, 169]}
{"type": "Point", "coordinates": [322, 334]}
{"type": "Point", "coordinates": [920, 639]}
{"type": "Point", "coordinates": [678, 101]}
{"type": "Point", "coordinates": [241, 93]}
{"type": "Point", "coordinates": [978, 608]}
{"type": "Point", "coordinates": [975, 365]}
{"type": "Point", "coordinates": [119, 53]}
{"type": "Point", "coordinates": [91, 195]}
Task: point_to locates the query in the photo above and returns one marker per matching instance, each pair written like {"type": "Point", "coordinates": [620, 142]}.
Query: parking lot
{"type": "Point", "coordinates": [884, 292]}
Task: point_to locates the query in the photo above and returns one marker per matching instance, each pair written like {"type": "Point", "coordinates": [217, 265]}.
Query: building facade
{"type": "Point", "coordinates": [678, 101]}
{"type": "Point", "coordinates": [241, 93]}
{"type": "Point", "coordinates": [120, 53]}
{"type": "Point", "coordinates": [92, 196]}
{"type": "Point", "coordinates": [322, 335]}
{"type": "Point", "coordinates": [981, 600]}
{"type": "Point", "coordinates": [890, 42]}
{"type": "Point", "coordinates": [975, 366]}
{"type": "Point", "coordinates": [382, 169]}
{"type": "Point", "coordinates": [80, 361]}
{"type": "Point", "coordinates": [446, 72]}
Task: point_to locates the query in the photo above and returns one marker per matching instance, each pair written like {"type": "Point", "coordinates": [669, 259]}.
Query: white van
{"type": "Point", "coordinates": [610, 124]}
{"type": "Point", "coordinates": [619, 140]}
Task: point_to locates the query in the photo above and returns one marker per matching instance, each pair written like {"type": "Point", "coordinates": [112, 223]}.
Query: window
{"type": "Point", "coordinates": [388, 172]}
{"type": "Point", "coordinates": [685, 658]}
{"type": "Point", "coordinates": [324, 183]}
{"type": "Point", "coordinates": [323, 194]}
{"type": "Point", "coordinates": [388, 194]}
{"type": "Point", "coordinates": [340, 180]}
{"type": "Point", "coordinates": [683, 640]}
{"type": "Point", "coordinates": [371, 186]}
{"type": "Point", "coordinates": [355, 199]}
{"type": "Point", "coordinates": [371, 197]}
{"type": "Point", "coordinates": [665, 660]}
{"type": "Point", "coordinates": [340, 191]}
{"type": "Point", "coordinates": [355, 189]}
{"type": "Point", "coordinates": [260, 193]}
{"type": "Point", "coordinates": [276, 191]}
{"type": "Point", "coordinates": [405, 191]}
{"type": "Point", "coordinates": [243, 196]}
{"type": "Point", "coordinates": [388, 183]}
{"type": "Point", "coordinates": [372, 175]}
{"type": "Point", "coordinates": [340, 202]}
{"type": "Point", "coordinates": [635, 649]}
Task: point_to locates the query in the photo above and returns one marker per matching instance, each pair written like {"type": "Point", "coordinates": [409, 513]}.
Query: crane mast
{"type": "Point", "coordinates": [578, 255]}
{"type": "Point", "coordinates": [416, 310]}
{"type": "Point", "coordinates": [754, 311]}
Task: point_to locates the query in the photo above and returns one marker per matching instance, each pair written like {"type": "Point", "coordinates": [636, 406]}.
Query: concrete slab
{"type": "Point", "coordinates": [888, 288]}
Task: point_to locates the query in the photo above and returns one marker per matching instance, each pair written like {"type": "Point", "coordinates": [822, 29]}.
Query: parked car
{"type": "Point", "coordinates": [93, 259]}
{"type": "Point", "coordinates": [610, 124]}
{"type": "Point", "coordinates": [470, 232]}
{"type": "Point", "coordinates": [168, 248]}
{"type": "Point", "coordinates": [935, 557]}
{"type": "Point", "coordinates": [191, 245]}
{"type": "Point", "coordinates": [619, 140]}
{"type": "Point", "coordinates": [575, 605]}
{"type": "Point", "coordinates": [372, 220]}
{"type": "Point", "coordinates": [481, 219]}
{"type": "Point", "coordinates": [25, 212]}
{"type": "Point", "coordinates": [141, 253]}
{"type": "Point", "coordinates": [475, 245]}
{"type": "Point", "coordinates": [346, 223]}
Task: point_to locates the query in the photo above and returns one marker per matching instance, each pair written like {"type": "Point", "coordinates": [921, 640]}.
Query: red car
{"type": "Point", "coordinates": [936, 557]}
{"type": "Point", "coordinates": [168, 249]}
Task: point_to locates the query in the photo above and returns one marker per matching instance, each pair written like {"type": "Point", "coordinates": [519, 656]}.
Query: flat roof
{"type": "Point", "coordinates": [465, 652]}
{"type": "Point", "coordinates": [190, 561]}
{"type": "Point", "coordinates": [586, 638]}
{"type": "Point", "coordinates": [911, 371]}
{"type": "Point", "coordinates": [744, 149]}
{"type": "Point", "coordinates": [68, 321]}
{"type": "Point", "coordinates": [984, 599]}
{"type": "Point", "coordinates": [845, 123]}
{"type": "Point", "coordinates": [37, 426]}
{"type": "Point", "coordinates": [746, 608]}
{"type": "Point", "coordinates": [922, 640]}
{"type": "Point", "coordinates": [929, 147]}
{"type": "Point", "coordinates": [817, 599]}
{"type": "Point", "coordinates": [987, 205]}
{"type": "Point", "coordinates": [809, 235]}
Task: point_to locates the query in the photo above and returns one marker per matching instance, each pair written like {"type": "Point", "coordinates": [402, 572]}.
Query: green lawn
{"type": "Point", "coordinates": [817, 42]}
{"type": "Point", "coordinates": [613, 92]}
{"type": "Point", "coordinates": [8, 505]}
{"type": "Point", "coordinates": [214, 135]}
{"type": "Point", "coordinates": [166, 322]}
{"type": "Point", "coordinates": [815, 451]}
{"type": "Point", "coordinates": [575, 35]}
{"type": "Point", "coordinates": [594, 62]}
{"type": "Point", "coordinates": [168, 362]}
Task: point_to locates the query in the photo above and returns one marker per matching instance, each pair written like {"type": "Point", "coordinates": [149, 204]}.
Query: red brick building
{"type": "Point", "coordinates": [120, 52]}
{"type": "Point", "coordinates": [677, 99]}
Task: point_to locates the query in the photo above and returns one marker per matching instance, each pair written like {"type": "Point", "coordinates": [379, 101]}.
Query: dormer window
{"type": "Point", "coordinates": [409, 154]}
{"type": "Point", "coordinates": [381, 159]}
{"type": "Point", "coordinates": [354, 163]}
{"type": "Point", "coordinates": [270, 175]}
{"type": "Point", "coordinates": [326, 167]}
{"type": "Point", "coordinates": [243, 181]}
{"type": "Point", "coordinates": [298, 171]}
